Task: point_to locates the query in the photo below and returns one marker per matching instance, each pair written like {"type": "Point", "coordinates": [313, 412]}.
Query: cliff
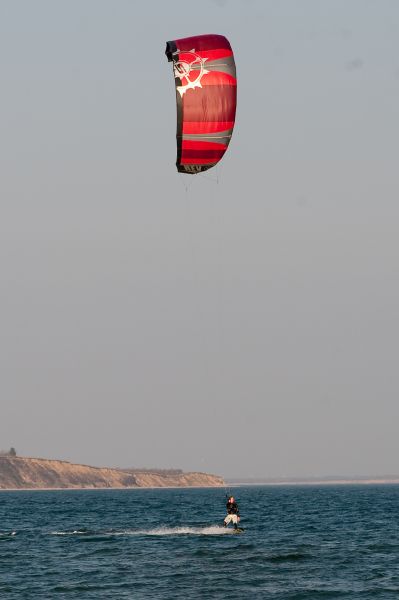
{"type": "Point", "coordinates": [148, 479]}
{"type": "Point", "coordinates": [39, 473]}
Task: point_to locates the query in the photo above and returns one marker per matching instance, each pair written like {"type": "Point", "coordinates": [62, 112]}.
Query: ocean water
{"type": "Point", "coordinates": [299, 543]}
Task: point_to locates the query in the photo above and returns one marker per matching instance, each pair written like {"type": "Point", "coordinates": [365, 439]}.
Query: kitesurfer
{"type": "Point", "coordinates": [233, 513]}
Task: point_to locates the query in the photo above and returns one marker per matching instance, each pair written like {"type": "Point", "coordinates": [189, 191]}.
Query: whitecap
{"type": "Point", "coordinates": [210, 530]}
{"type": "Point", "coordinates": [75, 532]}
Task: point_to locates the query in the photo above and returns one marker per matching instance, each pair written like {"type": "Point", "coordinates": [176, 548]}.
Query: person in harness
{"type": "Point", "coordinates": [233, 514]}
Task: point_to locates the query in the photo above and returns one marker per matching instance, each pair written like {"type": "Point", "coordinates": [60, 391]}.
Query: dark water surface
{"type": "Point", "coordinates": [299, 543]}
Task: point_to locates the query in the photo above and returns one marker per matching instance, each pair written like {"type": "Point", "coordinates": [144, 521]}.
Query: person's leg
{"type": "Point", "coordinates": [235, 520]}
{"type": "Point", "coordinates": [227, 520]}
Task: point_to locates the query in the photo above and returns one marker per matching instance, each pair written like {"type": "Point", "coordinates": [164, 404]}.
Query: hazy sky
{"type": "Point", "coordinates": [247, 326]}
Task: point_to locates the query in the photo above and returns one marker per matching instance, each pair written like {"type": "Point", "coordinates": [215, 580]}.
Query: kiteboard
{"type": "Point", "coordinates": [238, 530]}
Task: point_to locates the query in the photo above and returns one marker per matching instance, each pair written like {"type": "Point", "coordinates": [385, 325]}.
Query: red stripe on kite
{"type": "Point", "coordinates": [215, 77]}
{"type": "Point", "coordinates": [204, 127]}
{"type": "Point", "coordinates": [203, 42]}
{"type": "Point", "coordinates": [200, 145]}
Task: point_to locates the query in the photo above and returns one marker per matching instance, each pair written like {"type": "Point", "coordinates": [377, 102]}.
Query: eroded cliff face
{"type": "Point", "coordinates": [39, 473]}
{"type": "Point", "coordinates": [180, 480]}
{"type": "Point", "coordinates": [18, 473]}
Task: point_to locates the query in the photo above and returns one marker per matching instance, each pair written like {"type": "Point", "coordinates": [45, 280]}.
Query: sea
{"type": "Point", "coordinates": [298, 543]}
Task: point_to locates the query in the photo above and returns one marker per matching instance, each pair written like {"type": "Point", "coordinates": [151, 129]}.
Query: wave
{"type": "Point", "coordinates": [74, 532]}
{"type": "Point", "coordinates": [7, 533]}
{"type": "Point", "coordinates": [210, 530]}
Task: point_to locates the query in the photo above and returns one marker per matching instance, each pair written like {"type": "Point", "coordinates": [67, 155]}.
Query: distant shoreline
{"type": "Point", "coordinates": [310, 482]}
{"type": "Point", "coordinates": [304, 483]}
{"type": "Point", "coordinates": [112, 489]}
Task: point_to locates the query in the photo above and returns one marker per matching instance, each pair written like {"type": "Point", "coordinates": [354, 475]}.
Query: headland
{"type": "Point", "coordinates": [23, 473]}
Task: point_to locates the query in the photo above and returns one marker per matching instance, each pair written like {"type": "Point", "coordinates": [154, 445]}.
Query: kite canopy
{"type": "Point", "coordinates": [206, 97]}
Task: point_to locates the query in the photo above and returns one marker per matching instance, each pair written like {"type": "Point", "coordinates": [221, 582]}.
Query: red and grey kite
{"type": "Point", "coordinates": [206, 96]}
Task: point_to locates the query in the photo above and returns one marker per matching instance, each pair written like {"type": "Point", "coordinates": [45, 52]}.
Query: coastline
{"type": "Point", "coordinates": [316, 482]}
{"type": "Point", "coordinates": [28, 473]}
{"type": "Point", "coordinates": [323, 483]}
{"type": "Point", "coordinates": [127, 489]}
